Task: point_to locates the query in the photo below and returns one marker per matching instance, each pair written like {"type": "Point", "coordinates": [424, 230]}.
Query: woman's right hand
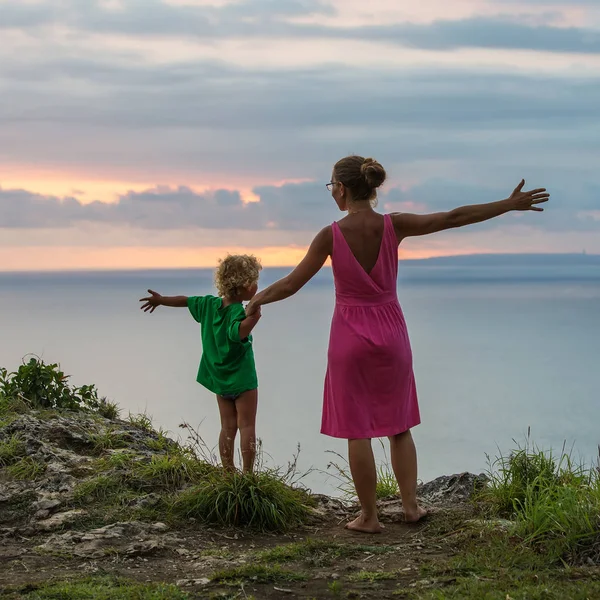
{"type": "Point", "coordinates": [520, 200]}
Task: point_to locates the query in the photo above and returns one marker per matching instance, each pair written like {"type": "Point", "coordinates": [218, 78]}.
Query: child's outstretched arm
{"type": "Point", "coordinates": [155, 299]}
{"type": "Point", "coordinates": [248, 324]}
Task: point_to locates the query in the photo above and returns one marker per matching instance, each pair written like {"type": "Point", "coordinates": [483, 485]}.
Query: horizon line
{"type": "Point", "coordinates": [291, 266]}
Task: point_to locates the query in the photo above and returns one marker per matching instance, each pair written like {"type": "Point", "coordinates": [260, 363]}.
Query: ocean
{"type": "Point", "coordinates": [499, 347]}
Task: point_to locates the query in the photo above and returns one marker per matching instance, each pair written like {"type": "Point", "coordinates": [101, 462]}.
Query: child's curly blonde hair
{"type": "Point", "coordinates": [236, 272]}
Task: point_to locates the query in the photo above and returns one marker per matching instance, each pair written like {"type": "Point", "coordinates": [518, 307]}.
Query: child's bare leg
{"type": "Point", "coordinates": [246, 405]}
{"type": "Point", "coordinates": [404, 463]}
{"type": "Point", "coordinates": [364, 475]}
{"type": "Point", "coordinates": [229, 428]}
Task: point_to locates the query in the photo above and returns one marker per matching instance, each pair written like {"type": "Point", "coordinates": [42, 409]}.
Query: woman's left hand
{"type": "Point", "coordinates": [520, 200]}
{"type": "Point", "coordinates": [252, 307]}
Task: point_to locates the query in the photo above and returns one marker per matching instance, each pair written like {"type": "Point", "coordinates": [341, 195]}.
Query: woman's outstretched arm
{"type": "Point", "coordinates": [407, 225]}
{"type": "Point", "coordinates": [319, 250]}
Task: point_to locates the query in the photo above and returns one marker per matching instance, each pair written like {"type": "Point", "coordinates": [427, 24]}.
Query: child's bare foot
{"type": "Point", "coordinates": [415, 516]}
{"type": "Point", "coordinates": [363, 525]}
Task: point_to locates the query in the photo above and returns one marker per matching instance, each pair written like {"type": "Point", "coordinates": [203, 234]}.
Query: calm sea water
{"type": "Point", "coordinates": [496, 350]}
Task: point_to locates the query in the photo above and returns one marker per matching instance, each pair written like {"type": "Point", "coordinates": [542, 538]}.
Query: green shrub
{"type": "Point", "coordinates": [46, 386]}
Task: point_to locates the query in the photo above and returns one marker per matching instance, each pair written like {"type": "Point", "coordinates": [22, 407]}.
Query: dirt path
{"type": "Point", "coordinates": [313, 563]}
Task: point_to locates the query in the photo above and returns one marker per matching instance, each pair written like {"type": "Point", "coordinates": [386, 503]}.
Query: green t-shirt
{"type": "Point", "coordinates": [227, 364]}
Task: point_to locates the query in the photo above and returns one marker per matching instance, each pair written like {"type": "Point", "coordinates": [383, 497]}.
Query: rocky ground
{"type": "Point", "coordinates": [59, 522]}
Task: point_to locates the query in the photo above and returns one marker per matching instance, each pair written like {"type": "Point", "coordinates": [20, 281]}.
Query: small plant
{"type": "Point", "coordinates": [141, 421]}
{"type": "Point", "coordinates": [335, 587]}
{"type": "Point", "coordinates": [108, 410]}
{"type": "Point", "coordinates": [198, 447]}
{"type": "Point", "coordinates": [372, 576]}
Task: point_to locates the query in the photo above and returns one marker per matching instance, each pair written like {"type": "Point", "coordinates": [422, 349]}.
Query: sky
{"type": "Point", "coordinates": [167, 133]}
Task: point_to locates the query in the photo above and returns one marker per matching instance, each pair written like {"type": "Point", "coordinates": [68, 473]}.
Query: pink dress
{"type": "Point", "coordinates": [370, 385]}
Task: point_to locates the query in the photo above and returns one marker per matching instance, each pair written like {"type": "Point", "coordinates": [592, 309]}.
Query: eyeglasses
{"type": "Point", "coordinates": [330, 185]}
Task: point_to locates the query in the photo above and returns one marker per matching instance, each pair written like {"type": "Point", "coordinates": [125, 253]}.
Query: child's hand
{"type": "Point", "coordinates": [255, 316]}
{"type": "Point", "coordinates": [151, 302]}
{"type": "Point", "coordinates": [252, 308]}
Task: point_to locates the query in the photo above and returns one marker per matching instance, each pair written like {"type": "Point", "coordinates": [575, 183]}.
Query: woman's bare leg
{"type": "Point", "coordinates": [246, 406]}
{"type": "Point", "coordinates": [364, 475]}
{"type": "Point", "coordinates": [229, 429]}
{"type": "Point", "coordinates": [404, 463]}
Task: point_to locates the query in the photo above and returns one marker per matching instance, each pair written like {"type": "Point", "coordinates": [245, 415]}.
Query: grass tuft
{"type": "Point", "coordinates": [26, 468]}
{"type": "Point", "coordinates": [110, 439]}
{"type": "Point", "coordinates": [11, 407]}
{"type": "Point", "coordinates": [97, 489]}
{"type": "Point", "coordinates": [162, 443]}
{"type": "Point", "coordinates": [555, 504]}
{"type": "Point", "coordinates": [259, 501]}
{"type": "Point", "coordinates": [141, 421]}
{"type": "Point", "coordinates": [170, 472]}
{"type": "Point", "coordinates": [108, 410]}
{"type": "Point", "coordinates": [317, 553]}
{"type": "Point", "coordinates": [387, 486]}
{"type": "Point", "coordinates": [105, 588]}
{"type": "Point", "coordinates": [256, 574]}
{"type": "Point", "coordinates": [12, 450]}
{"type": "Point", "coordinates": [120, 459]}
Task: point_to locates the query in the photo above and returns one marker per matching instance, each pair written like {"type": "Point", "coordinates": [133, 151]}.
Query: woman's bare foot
{"type": "Point", "coordinates": [363, 525]}
{"type": "Point", "coordinates": [416, 516]}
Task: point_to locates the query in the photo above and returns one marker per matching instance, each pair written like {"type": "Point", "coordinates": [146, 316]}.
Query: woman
{"type": "Point", "coordinates": [369, 387]}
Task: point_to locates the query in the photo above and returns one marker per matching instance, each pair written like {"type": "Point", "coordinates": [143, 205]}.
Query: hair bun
{"type": "Point", "coordinates": [372, 172]}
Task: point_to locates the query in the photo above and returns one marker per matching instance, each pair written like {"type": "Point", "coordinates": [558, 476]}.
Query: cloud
{"type": "Point", "coordinates": [496, 33]}
{"type": "Point", "coordinates": [270, 19]}
{"type": "Point", "coordinates": [175, 120]}
{"type": "Point", "coordinates": [215, 95]}
{"type": "Point", "coordinates": [159, 208]}
{"type": "Point", "coordinates": [154, 17]}
{"type": "Point", "coordinates": [304, 207]}
{"type": "Point", "coordinates": [167, 208]}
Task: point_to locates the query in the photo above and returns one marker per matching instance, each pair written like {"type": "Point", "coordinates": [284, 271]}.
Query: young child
{"type": "Point", "coordinates": [227, 365]}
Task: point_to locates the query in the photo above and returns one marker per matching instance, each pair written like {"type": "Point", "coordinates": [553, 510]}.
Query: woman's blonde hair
{"type": "Point", "coordinates": [362, 176]}
{"type": "Point", "coordinates": [236, 272]}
